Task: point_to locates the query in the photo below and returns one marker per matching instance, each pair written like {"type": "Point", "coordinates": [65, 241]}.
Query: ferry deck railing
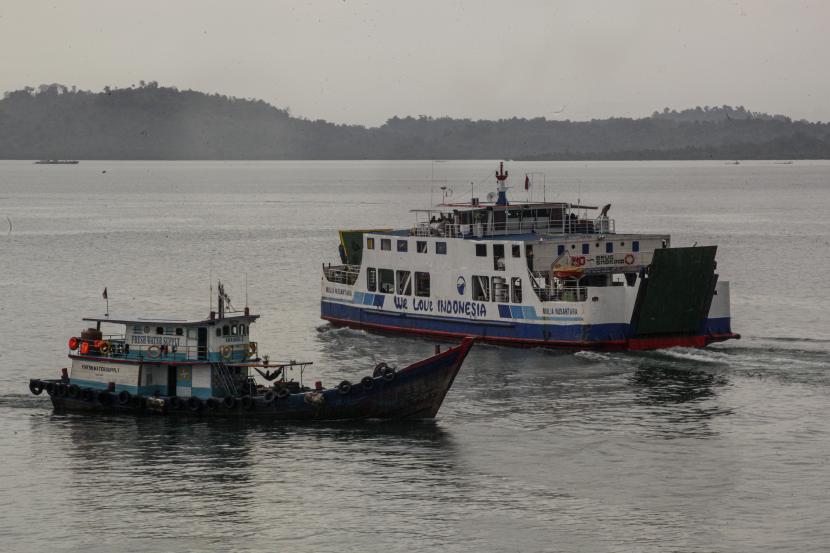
{"type": "Point", "coordinates": [445, 229]}
{"type": "Point", "coordinates": [547, 291]}
{"type": "Point", "coordinates": [341, 274]}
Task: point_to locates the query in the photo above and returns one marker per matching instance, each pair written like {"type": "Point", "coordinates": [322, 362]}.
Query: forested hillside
{"type": "Point", "coordinates": [153, 122]}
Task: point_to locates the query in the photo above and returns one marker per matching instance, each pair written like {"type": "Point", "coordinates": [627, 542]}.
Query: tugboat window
{"type": "Point", "coordinates": [498, 257]}
{"type": "Point", "coordinates": [234, 330]}
{"type": "Point", "coordinates": [386, 244]}
{"type": "Point", "coordinates": [387, 281]}
{"type": "Point", "coordinates": [370, 243]}
{"type": "Point", "coordinates": [422, 246]}
{"type": "Point", "coordinates": [422, 284]}
{"type": "Point", "coordinates": [635, 246]}
{"type": "Point", "coordinates": [560, 249]}
{"type": "Point", "coordinates": [481, 250]}
{"type": "Point", "coordinates": [179, 332]}
{"type": "Point", "coordinates": [586, 249]}
{"type": "Point", "coordinates": [441, 248]}
{"type": "Point", "coordinates": [159, 330]}
{"type": "Point", "coordinates": [609, 247]}
{"type": "Point", "coordinates": [517, 250]}
{"type": "Point", "coordinates": [371, 279]}
{"type": "Point", "coordinates": [226, 330]}
{"type": "Point", "coordinates": [218, 331]}
{"type": "Point", "coordinates": [243, 330]}
{"type": "Point", "coordinates": [403, 246]}
{"type": "Point", "coordinates": [404, 283]}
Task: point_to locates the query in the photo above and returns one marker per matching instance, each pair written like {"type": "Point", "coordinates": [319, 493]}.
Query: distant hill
{"type": "Point", "coordinates": [153, 122]}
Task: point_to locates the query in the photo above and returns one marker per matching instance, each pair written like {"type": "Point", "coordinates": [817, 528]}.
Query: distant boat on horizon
{"type": "Point", "coordinates": [57, 162]}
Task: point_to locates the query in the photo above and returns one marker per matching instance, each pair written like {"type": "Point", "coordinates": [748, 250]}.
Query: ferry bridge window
{"type": "Point", "coordinates": [635, 246]}
{"type": "Point", "coordinates": [481, 288]}
{"type": "Point", "coordinates": [179, 331]}
{"type": "Point", "coordinates": [234, 330]}
{"type": "Point", "coordinates": [517, 250]}
{"type": "Point", "coordinates": [586, 249]}
{"type": "Point", "coordinates": [404, 283]}
{"type": "Point", "coordinates": [441, 248]}
{"type": "Point", "coordinates": [498, 257]}
{"type": "Point", "coordinates": [370, 243]}
{"type": "Point", "coordinates": [226, 330]}
{"type": "Point", "coordinates": [386, 244]}
{"type": "Point", "coordinates": [371, 279]}
{"type": "Point", "coordinates": [422, 246]}
{"type": "Point", "coordinates": [609, 247]}
{"type": "Point", "coordinates": [403, 246]}
{"type": "Point", "coordinates": [386, 279]}
{"type": "Point", "coordinates": [516, 288]}
{"type": "Point", "coordinates": [422, 284]}
{"type": "Point", "coordinates": [481, 250]}
{"type": "Point", "coordinates": [159, 330]}
{"type": "Point", "coordinates": [242, 330]}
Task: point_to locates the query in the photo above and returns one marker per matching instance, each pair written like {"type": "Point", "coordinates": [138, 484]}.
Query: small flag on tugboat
{"type": "Point", "coordinates": [104, 295]}
{"type": "Point", "coordinates": [527, 182]}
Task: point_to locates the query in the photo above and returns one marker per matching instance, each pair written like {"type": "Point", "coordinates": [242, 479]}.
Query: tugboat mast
{"type": "Point", "coordinates": [501, 177]}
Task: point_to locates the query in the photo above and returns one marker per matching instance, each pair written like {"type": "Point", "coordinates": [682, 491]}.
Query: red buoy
{"type": "Point", "coordinates": [73, 343]}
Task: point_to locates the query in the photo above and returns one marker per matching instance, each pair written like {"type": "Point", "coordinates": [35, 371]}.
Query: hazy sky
{"type": "Point", "coordinates": [363, 62]}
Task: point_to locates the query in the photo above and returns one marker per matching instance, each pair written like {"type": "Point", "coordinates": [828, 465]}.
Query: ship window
{"type": "Point", "coordinates": [371, 279]}
{"type": "Point", "coordinates": [622, 244]}
{"type": "Point", "coordinates": [516, 288]}
{"type": "Point", "coordinates": [609, 247]}
{"type": "Point", "coordinates": [218, 331]}
{"type": "Point", "coordinates": [635, 246]}
{"type": "Point", "coordinates": [159, 330]}
{"type": "Point", "coordinates": [404, 283]}
{"type": "Point", "coordinates": [501, 290]}
{"type": "Point", "coordinates": [234, 330]}
{"type": "Point", "coordinates": [243, 330]}
{"type": "Point", "coordinates": [481, 250]}
{"type": "Point", "coordinates": [179, 331]}
{"type": "Point", "coordinates": [498, 257]}
{"type": "Point", "coordinates": [403, 246]}
{"type": "Point", "coordinates": [386, 279]}
{"type": "Point", "coordinates": [517, 250]}
{"type": "Point", "coordinates": [226, 330]}
{"type": "Point", "coordinates": [481, 288]}
{"type": "Point", "coordinates": [385, 244]}
{"type": "Point", "coordinates": [422, 246]}
{"type": "Point", "coordinates": [422, 284]}
{"type": "Point", "coordinates": [586, 248]}
{"type": "Point", "coordinates": [560, 249]}
{"type": "Point", "coordinates": [573, 246]}
{"type": "Point", "coordinates": [192, 333]}
{"type": "Point", "coordinates": [370, 243]}
{"type": "Point", "coordinates": [441, 248]}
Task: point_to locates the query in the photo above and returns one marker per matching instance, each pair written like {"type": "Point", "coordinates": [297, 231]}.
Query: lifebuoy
{"type": "Point", "coordinates": [283, 393]}
{"type": "Point", "coordinates": [194, 403]}
{"type": "Point", "coordinates": [379, 369]}
{"type": "Point", "coordinates": [50, 388]}
{"type": "Point", "coordinates": [269, 396]}
{"type": "Point", "coordinates": [73, 343]}
{"type": "Point", "coordinates": [344, 387]}
{"type": "Point", "coordinates": [226, 352]}
{"type": "Point", "coordinates": [154, 352]}
{"type": "Point", "coordinates": [367, 382]}
{"type": "Point", "coordinates": [36, 387]}
{"type": "Point", "coordinates": [629, 259]}
{"type": "Point", "coordinates": [389, 374]}
{"type": "Point", "coordinates": [124, 397]}
{"type": "Point", "coordinates": [229, 402]}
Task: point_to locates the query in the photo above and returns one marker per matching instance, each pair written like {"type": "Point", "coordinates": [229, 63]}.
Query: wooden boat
{"type": "Point", "coordinates": [204, 368]}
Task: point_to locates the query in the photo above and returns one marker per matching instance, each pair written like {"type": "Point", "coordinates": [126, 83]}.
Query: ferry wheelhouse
{"type": "Point", "coordinates": [549, 274]}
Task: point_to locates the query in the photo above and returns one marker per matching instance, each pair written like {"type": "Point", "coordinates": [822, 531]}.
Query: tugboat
{"type": "Point", "coordinates": [535, 274]}
{"type": "Point", "coordinates": [204, 368]}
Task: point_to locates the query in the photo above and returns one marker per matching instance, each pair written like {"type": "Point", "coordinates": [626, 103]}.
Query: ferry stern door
{"type": "Point", "coordinates": [171, 380]}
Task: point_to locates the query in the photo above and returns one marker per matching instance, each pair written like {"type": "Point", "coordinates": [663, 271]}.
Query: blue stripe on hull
{"type": "Point", "coordinates": [514, 330]}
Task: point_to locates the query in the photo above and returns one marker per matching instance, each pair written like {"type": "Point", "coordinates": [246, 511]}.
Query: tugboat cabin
{"type": "Point", "coordinates": [165, 356]}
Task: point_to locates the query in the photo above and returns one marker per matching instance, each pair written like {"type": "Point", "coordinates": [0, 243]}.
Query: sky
{"type": "Point", "coordinates": [362, 62]}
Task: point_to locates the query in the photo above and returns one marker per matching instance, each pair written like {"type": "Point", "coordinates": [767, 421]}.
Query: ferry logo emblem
{"type": "Point", "coordinates": [461, 284]}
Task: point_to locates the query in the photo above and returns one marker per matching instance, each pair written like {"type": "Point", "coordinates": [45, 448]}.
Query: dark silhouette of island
{"type": "Point", "coordinates": [153, 122]}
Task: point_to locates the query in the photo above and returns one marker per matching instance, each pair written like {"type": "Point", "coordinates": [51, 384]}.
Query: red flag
{"type": "Point", "coordinates": [527, 182]}
{"type": "Point", "coordinates": [105, 293]}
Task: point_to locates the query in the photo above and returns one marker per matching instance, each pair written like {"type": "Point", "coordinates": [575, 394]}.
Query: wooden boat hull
{"type": "Point", "coordinates": [415, 392]}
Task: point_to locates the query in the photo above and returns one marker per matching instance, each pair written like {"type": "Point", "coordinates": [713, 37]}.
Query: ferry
{"type": "Point", "coordinates": [533, 274]}
{"type": "Point", "coordinates": [207, 368]}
